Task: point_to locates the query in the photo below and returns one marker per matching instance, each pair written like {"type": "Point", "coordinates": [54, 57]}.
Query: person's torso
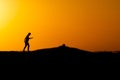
{"type": "Point", "coordinates": [27, 39]}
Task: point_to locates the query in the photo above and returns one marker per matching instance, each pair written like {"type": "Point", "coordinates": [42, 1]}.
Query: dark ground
{"type": "Point", "coordinates": [61, 55]}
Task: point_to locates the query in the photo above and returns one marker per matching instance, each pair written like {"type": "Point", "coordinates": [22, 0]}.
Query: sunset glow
{"type": "Point", "coordinates": [85, 24]}
{"type": "Point", "coordinates": [8, 9]}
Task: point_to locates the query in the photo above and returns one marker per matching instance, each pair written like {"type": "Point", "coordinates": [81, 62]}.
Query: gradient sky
{"type": "Point", "coordinates": [92, 25]}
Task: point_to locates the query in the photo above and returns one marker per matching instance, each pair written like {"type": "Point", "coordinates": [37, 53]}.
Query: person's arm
{"type": "Point", "coordinates": [30, 37]}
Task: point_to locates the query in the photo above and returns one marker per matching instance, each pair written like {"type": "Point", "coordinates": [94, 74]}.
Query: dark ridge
{"type": "Point", "coordinates": [59, 55]}
{"type": "Point", "coordinates": [62, 50]}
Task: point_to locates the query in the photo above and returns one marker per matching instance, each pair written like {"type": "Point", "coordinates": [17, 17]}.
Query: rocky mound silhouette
{"type": "Point", "coordinates": [59, 55]}
{"type": "Point", "coordinates": [61, 51]}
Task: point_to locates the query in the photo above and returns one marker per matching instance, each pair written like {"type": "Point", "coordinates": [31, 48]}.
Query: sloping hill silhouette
{"type": "Point", "coordinates": [61, 51]}
{"type": "Point", "coordinates": [59, 55]}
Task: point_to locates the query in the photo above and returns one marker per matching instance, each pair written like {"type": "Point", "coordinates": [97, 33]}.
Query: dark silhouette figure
{"type": "Point", "coordinates": [26, 40]}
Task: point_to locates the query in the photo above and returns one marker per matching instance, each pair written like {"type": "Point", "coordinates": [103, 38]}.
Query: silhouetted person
{"type": "Point", "coordinates": [26, 40]}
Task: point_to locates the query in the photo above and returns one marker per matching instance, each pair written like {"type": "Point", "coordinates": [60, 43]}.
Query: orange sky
{"type": "Point", "coordinates": [85, 24]}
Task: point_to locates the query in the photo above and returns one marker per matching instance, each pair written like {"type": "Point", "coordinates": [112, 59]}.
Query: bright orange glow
{"type": "Point", "coordinates": [8, 9]}
{"type": "Point", "coordinates": [86, 24]}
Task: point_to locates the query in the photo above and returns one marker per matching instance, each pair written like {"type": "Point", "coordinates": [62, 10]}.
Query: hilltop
{"type": "Point", "coordinates": [59, 55]}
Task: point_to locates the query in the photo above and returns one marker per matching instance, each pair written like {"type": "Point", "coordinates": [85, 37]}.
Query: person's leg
{"type": "Point", "coordinates": [28, 47]}
{"type": "Point", "coordinates": [25, 47]}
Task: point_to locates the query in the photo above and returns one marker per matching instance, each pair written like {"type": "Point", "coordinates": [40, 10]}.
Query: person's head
{"type": "Point", "coordinates": [29, 33]}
